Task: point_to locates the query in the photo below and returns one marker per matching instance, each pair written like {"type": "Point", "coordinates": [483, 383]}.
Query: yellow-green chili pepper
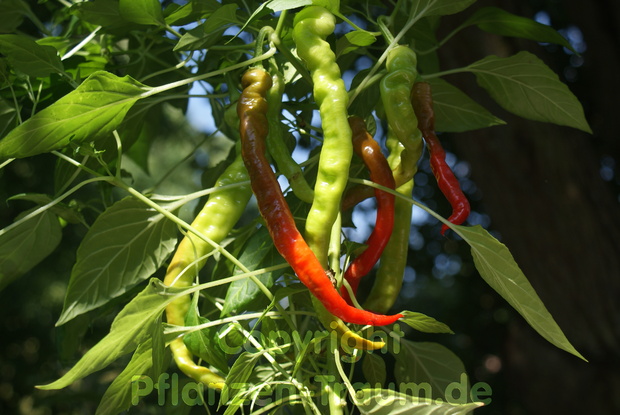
{"type": "Point", "coordinates": [275, 142]}
{"type": "Point", "coordinates": [311, 27]}
{"type": "Point", "coordinates": [216, 219]}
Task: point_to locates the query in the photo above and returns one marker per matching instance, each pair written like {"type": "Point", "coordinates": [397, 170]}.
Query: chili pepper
{"type": "Point", "coordinates": [252, 109]}
{"type": "Point", "coordinates": [389, 278]}
{"type": "Point", "coordinates": [422, 101]}
{"type": "Point", "coordinates": [395, 89]}
{"type": "Point", "coordinates": [380, 173]}
{"type": "Point", "coordinates": [218, 216]}
{"type": "Point", "coordinates": [275, 142]}
{"type": "Point", "coordinates": [310, 28]}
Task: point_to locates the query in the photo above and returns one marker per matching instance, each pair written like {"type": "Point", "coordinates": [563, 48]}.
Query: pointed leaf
{"type": "Point", "coordinates": [439, 7]}
{"type": "Point", "coordinates": [238, 376]}
{"type": "Point", "coordinates": [89, 113]}
{"type": "Point", "coordinates": [456, 112]}
{"type": "Point", "coordinates": [525, 86]}
{"type": "Point", "coordinates": [132, 326]}
{"type": "Point", "coordinates": [29, 57]}
{"type": "Point", "coordinates": [126, 245]}
{"type": "Point", "coordinates": [499, 269]}
{"type": "Point", "coordinates": [27, 244]}
{"type": "Point", "coordinates": [120, 394]}
{"type": "Point", "coordinates": [146, 12]}
{"type": "Point", "coordinates": [500, 22]}
{"type": "Point", "coordinates": [203, 343]}
{"type": "Point", "coordinates": [242, 292]}
{"type": "Point", "coordinates": [430, 366]}
{"type": "Point", "coordinates": [424, 323]}
{"type": "Point", "coordinates": [374, 369]}
{"type": "Point", "coordinates": [389, 402]}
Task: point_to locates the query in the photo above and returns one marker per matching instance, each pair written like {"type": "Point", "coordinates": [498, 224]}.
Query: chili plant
{"type": "Point", "coordinates": [251, 305]}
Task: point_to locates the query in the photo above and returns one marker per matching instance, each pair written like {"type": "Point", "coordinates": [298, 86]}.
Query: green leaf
{"type": "Point", "coordinates": [499, 269]}
{"type": "Point", "coordinates": [456, 112]}
{"type": "Point", "coordinates": [7, 117]}
{"type": "Point", "coordinates": [147, 12]}
{"type": "Point", "coordinates": [373, 367]}
{"type": "Point", "coordinates": [424, 323]}
{"type": "Point", "coordinates": [100, 12]}
{"type": "Point", "coordinates": [89, 113]}
{"type": "Point", "coordinates": [126, 245]}
{"type": "Point", "coordinates": [430, 366]}
{"type": "Point", "coordinates": [68, 213]}
{"type": "Point", "coordinates": [280, 5]}
{"type": "Point", "coordinates": [203, 343]}
{"type": "Point", "coordinates": [237, 379]}
{"type": "Point", "coordinates": [389, 402]}
{"type": "Point", "coordinates": [242, 292]}
{"type": "Point", "coordinates": [12, 12]}
{"type": "Point", "coordinates": [500, 22]}
{"type": "Point", "coordinates": [26, 55]}
{"type": "Point", "coordinates": [525, 86]}
{"type": "Point", "coordinates": [131, 327]}
{"type": "Point", "coordinates": [439, 7]}
{"type": "Point", "coordinates": [27, 244]}
{"type": "Point", "coordinates": [209, 33]}
{"type": "Point", "coordinates": [360, 38]}
{"type": "Point", "coordinates": [120, 394]}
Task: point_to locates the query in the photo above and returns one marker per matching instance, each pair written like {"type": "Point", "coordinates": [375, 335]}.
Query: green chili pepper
{"type": "Point", "coordinates": [218, 216]}
{"type": "Point", "coordinates": [395, 91]}
{"type": "Point", "coordinates": [311, 27]}
{"type": "Point", "coordinates": [275, 142]}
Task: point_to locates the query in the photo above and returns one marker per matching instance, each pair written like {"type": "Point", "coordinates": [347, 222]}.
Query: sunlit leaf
{"type": "Point", "coordinates": [456, 112]}
{"type": "Point", "coordinates": [499, 269]}
{"type": "Point", "coordinates": [27, 244]}
{"type": "Point", "coordinates": [389, 402]}
{"type": "Point", "coordinates": [146, 12]}
{"type": "Point", "coordinates": [126, 245]}
{"type": "Point", "coordinates": [27, 56]}
{"type": "Point", "coordinates": [90, 112]}
{"type": "Point", "coordinates": [424, 323]}
{"type": "Point", "coordinates": [242, 292]}
{"type": "Point", "coordinates": [203, 343]}
{"type": "Point", "coordinates": [525, 86]}
{"type": "Point", "coordinates": [131, 327]}
{"type": "Point", "coordinates": [120, 395]}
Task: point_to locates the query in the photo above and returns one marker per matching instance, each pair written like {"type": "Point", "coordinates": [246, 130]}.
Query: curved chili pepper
{"type": "Point", "coordinates": [370, 152]}
{"type": "Point", "coordinates": [216, 219]}
{"type": "Point", "coordinates": [422, 101]}
{"type": "Point", "coordinates": [252, 109]}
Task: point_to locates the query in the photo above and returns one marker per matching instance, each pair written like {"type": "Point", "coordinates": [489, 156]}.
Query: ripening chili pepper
{"type": "Point", "coordinates": [422, 101]}
{"type": "Point", "coordinates": [389, 277]}
{"type": "Point", "coordinates": [380, 173]}
{"type": "Point", "coordinates": [276, 146]}
{"type": "Point", "coordinates": [218, 216]}
{"type": "Point", "coordinates": [252, 109]}
{"type": "Point", "coordinates": [310, 28]}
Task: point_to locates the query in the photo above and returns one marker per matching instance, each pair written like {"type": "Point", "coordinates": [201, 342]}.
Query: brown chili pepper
{"type": "Point", "coordinates": [422, 101]}
{"type": "Point", "coordinates": [252, 109]}
{"type": "Point", "coordinates": [380, 173]}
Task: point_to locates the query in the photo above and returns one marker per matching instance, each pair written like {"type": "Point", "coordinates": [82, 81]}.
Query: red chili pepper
{"type": "Point", "coordinates": [422, 101]}
{"type": "Point", "coordinates": [370, 152]}
{"type": "Point", "coordinates": [252, 108]}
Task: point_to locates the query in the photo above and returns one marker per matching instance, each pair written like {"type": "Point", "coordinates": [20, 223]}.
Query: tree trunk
{"type": "Point", "coordinates": [542, 187]}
